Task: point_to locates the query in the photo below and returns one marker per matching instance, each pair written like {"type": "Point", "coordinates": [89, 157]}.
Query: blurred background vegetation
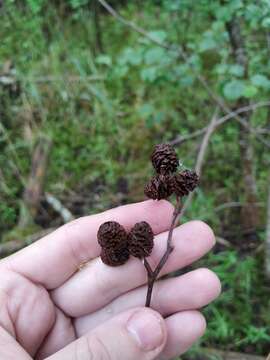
{"type": "Point", "coordinates": [84, 96]}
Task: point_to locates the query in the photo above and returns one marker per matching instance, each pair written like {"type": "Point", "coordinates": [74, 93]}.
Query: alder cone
{"type": "Point", "coordinates": [164, 159]}
{"type": "Point", "coordinates": [185, 182]}
{"type": "Point", "coordinates": [141, 240]}
{"type": "Point", "coordinates": [159, 187]}
{"type": "Point", "coordinates": [114, 257]}
{"type": "Point", "coordinates": [111, 235]}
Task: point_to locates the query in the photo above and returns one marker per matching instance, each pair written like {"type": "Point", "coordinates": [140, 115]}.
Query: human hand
{"type": "Point", "coordinates": [50, 309]}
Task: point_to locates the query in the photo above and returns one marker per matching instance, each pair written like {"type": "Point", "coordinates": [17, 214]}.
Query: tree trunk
{"type": "Point", "coordinates": [250, 215]}
{"type": "Point", "coordinates": [98, 31]}
{"type": "Point", "coordinates": [267, 240]}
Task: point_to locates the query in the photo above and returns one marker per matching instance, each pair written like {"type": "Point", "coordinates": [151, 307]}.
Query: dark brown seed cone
{"type": "Point", "coordinates": [141, 240]}
{"type": "Point", "coordinates": [159, 187]}
{"type": "Point", "coordinates": [164, 159]}
{"type": "Point", "coordinates": [112, 235]}
{"type": "Point", "coordinates": [185, 182]}
{"type": "Point", "coordinates": [114, 257]}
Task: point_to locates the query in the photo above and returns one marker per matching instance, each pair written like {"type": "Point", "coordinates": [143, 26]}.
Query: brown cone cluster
{"type": "Point", "coordinates": [117, 245]}
{"type": "Point", "coordinates": [159, 187]}
{"type": "Point", "coordinates": [141, 240]}
{"type": "Point", "coordinates": [113, 239]}
{"type": "Point", "coordinates": [164, 159]}
{"type": "Point", "coordinates": [185, 182]}
{"type": "Point", "coordinates": [114, 257]}
{"type": "Point", "coordinates": [112, 235]}
{"type": "Point", "coordinates": [167, 181]}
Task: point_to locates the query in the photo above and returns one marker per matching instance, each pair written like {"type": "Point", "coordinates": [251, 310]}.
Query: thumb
{"type": "Point", "coordinates": [136, 334]}
{"type": "Point", "coordinates": [9, 348]}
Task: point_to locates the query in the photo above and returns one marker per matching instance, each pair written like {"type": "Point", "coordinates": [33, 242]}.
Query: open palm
{"type": "Point", "coordinates": [50, 308]}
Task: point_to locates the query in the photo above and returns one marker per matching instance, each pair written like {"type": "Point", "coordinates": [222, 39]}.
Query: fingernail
{"type": "Point", "coordinates": [146, 329]}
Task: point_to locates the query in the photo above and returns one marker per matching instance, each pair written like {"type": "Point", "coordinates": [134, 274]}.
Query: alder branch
{"type": "Point", "coordinates": [223, 242]}
{"type": "Point", "coordinates": [182, 54]}
{"type": "Point", "coordinates": [153, 274]}
{"type": "Point", "coordinates": [59, 207]}
{"type": "Point", "coordinates": [201, 156]}
{"type": "Point", "coordinates": [179, 140]}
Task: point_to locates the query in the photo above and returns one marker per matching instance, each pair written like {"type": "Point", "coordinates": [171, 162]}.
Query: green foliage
{"type": "Point", "coordinates": [234, 89]}
{"type": "Point", "coordinates": [7, 215]}
{"type": "Point", "coordinates": [232, 318]}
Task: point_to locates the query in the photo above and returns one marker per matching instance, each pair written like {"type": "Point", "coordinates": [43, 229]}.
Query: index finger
{"type": "Point", "coordinates": [53, 259]}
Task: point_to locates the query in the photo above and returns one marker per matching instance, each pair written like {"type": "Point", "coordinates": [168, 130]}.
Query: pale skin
{"type": "Point", "coordinates": [50, 309]}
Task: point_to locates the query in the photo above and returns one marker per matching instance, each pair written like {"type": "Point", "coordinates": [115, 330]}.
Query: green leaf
{"type": "Point", "coordinates": [207, 44]}
{"type": "Point", "coordinates": [261, 81]}
{"type": "Point", "coordinates": [236, 70]}
{"type": "Point", "coordinates": [149, 74]}
{"type": "Point", "coordinates": [250, 91]}
{"type": "Point", "coordinates": [234, 89]}
{"type": "Point", "coordinates": [35, 5]}
{"type": "Point", "coordinates": [266, 22]}
{"type": "Point", "coordinates": [221, 69]}
{"type": "Point", "coordinates": [158, 35]}
{"type": "Point", "coordinates": [187, 80]}
{"type": "Point", "coordinates": [130, 56]}
{"type": "Point", "coordinates": [104, 60]}
{"type": "Point", "coordinates": [146, 110]}
{"type": "Point", "coordinates": [154, 55]}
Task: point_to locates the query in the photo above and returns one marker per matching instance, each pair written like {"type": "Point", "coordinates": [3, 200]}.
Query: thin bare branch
{"type": "Point", "coordinates": [138, 29]}
{"type": "Point", "coordinates": [223, 242]}
{"type": "Point", "coordinates": [179, 140]}
{"type": "Point", "coordinates": [201, 156]}
{"type": "Point", "coordinates": [59, 207]}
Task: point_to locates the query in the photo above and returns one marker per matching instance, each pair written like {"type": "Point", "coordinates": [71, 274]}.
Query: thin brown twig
{"type": "Point", "coordinates": [179, 140]}
{"type": "Point", "coordinates": [201, 156]}
{"type": "Point", "coordinates": [182, 54]}
{"type": "Point", "coordinates": [152, 275]}
{"type": "Point", "coordinates": [59, 207]}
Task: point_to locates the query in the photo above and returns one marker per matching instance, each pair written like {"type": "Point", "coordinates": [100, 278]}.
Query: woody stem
{"type": "Point", "coordinates": [150, 282]}
{"type": "Point", "coordinates": [152, 275]}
